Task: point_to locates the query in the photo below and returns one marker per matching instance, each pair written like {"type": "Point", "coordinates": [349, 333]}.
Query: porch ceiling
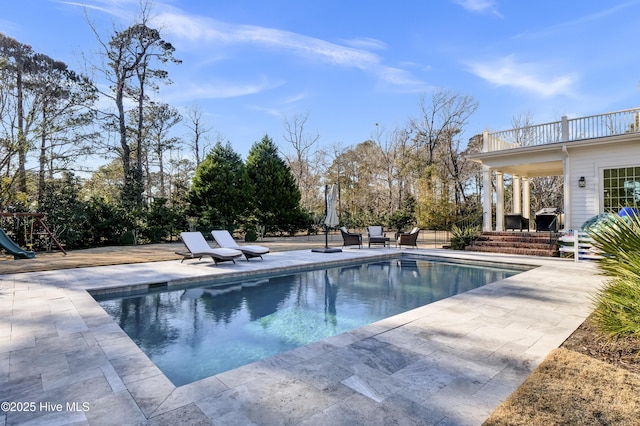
{"type": "Point", "coordinates": [532, 169]}
{"type": "Point", "coordinates": [526, 161]}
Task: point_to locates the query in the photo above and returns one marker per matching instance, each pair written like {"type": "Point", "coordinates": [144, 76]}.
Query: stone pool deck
{"type": "Point", "coordinates": [64, 361]}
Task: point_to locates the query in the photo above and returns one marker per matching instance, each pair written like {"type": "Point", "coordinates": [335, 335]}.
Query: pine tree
{"type": "Point", "coordinates": [220, 193]}
{"type": "Point", "coordinates": [276, 194]}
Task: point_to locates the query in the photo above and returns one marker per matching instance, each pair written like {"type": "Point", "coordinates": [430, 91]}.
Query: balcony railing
{"type": "Point", "coordinates": [565, 130]}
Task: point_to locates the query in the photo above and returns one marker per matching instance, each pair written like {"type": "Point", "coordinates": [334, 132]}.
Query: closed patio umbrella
{"type": "Point", "coordinates": [332, 216]}
{"type": "Point", "coordinates": [331, 219]}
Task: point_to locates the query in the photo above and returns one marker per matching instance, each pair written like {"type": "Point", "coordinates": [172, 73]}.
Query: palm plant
{"type": "Point", "coordinates": [618, 302]}
{"type": "Point", "coordinates": [462, 237]}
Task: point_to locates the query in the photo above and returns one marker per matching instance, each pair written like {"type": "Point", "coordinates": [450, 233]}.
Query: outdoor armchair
{"type": "Point", "coordinates": [408, 238]}
{"type": "Point", "coordinates": [350, 238]}
{"type": "Point", "coordinates": [377, 235]}
{"type": "Point", "coordinates": [375, 231]}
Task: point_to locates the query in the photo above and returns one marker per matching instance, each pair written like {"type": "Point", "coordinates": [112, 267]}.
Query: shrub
{"type": "Point", "coordinates": [162, 220]}
{"type": "Point", "coordinates": [250, 235]}
{"type": "Point", "coordinates": [462, 237]}
{"type": "Point", "coordinates": [617, 310]}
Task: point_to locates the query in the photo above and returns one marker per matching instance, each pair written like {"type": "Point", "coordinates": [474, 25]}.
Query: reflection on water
{"type": "Point", "coordinates": [198, 332]}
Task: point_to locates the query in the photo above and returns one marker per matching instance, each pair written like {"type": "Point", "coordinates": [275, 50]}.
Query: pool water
{"type": "Point", "coordinates": [197, 332]}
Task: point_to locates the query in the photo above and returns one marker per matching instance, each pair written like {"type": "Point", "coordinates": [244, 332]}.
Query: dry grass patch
{"type": "Point", "coordinates": [570, 388]}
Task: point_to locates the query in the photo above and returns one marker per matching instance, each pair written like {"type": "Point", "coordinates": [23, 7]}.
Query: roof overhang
{"type": "Point", "coordinates": [541, 160]}
{"type": "Point", "coordinates": [530, 161]}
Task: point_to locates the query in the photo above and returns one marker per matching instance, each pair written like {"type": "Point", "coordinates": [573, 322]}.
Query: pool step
{"type": "Point", "coordinates": [527, 243]}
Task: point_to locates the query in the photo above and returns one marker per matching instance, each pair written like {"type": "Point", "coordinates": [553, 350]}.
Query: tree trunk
{"type": "Point", "coordinates": [43, 155]}
{"type": "Point", "coordinates": [22, 143]}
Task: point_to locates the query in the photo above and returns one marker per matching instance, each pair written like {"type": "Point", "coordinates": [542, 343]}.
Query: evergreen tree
{"type": "Point", "coordinates": [276, 195]}
{"type": "Point", "coordinates": [66, 217]}
{"type": "Point", "coordinates": [220, 194]}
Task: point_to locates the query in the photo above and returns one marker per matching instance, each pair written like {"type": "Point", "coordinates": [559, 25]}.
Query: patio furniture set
{"type": "Point", "coordinates": [377, 236]}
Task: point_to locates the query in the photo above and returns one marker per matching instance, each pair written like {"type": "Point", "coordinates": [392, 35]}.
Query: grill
{"type": "Point", "coordinates": [547, 219]}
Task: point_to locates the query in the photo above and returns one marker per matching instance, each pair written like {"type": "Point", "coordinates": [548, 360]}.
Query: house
{"type": "Point", "coordinates": [598, 156]}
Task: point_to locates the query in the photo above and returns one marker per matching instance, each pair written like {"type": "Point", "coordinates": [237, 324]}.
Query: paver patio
{"type": "Point", "coordinates": [448, 363]}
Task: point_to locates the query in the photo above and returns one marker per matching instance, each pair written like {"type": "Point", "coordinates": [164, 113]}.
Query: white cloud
{"type": "Point", "coordinates": [366, 43]}
{"type": "Point", "coordinates": [401, 77]}
{"type": "Point", "coordinates": [118, 8]}
{"type": "Point", "coordinates": [584, 20]}
{"type": "Point", "coordinates": [295, 99]}
{"type": "Point", "coordinates": [198, 30]}
{"type": "Point", "coordinates": [479, 6]}
{"type": "Point", "coordinates": [526, 76]}
{"type": "Point", "coordinates": [222, 89]}
{"type": "Point", "coordinates": [354, 55]}
{"type": "Point", "coordinates": [274, 112]}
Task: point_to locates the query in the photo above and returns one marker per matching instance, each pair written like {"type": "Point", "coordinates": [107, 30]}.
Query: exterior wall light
{"type": "Point", "coordinates": [581, 182]}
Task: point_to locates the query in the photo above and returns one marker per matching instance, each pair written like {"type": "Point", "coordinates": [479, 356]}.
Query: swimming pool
{"type": "Point", "coordinates": [195, 332]}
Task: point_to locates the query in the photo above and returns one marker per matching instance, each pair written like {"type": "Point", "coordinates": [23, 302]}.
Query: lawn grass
{"type": "Point", "coordinates": [570, 388]}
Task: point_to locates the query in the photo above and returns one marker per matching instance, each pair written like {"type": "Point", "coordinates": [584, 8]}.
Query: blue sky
{"type": "Point", "coordinates": [352, 64]}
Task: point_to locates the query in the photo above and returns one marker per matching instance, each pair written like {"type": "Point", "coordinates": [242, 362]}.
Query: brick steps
{"type": "Point", "coordinates": [526, 243]}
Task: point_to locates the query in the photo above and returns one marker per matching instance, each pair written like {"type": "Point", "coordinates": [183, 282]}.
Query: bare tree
{"type": "Point", "coordinates": [459, 171]}
{"type": "Point", "coordinates": [160, 119]}
{"type": "Point", "coordinates": [180, 172]}
{"type": "Point", "coordinates": [396, 151]}
{"type": "Point", "coordinates": [302, 142]}
{"type": "Point", "coordinates": [437, 149]}
{"type": "Point", "coordinates": [442, 114]}
{"type": "Point", "coordinates": [200, 129]}
{"type": "Point", "coordinates": [363, 198]}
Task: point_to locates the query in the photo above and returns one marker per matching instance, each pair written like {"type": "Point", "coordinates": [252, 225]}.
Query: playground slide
{"type": "Point", "coordinates": [8, 244]}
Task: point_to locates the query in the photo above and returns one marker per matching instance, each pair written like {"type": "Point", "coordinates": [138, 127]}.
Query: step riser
{"type": "Point", "coordinates": [520, 244]}
{"type": "Point", "coordinates": [516, 243]}
{"type": "Point", "coordinates": [524, 234]}
{"type": "Point", "coordinates": [523, 251]}
{"type": "Point", "coordinates": [524, 243]}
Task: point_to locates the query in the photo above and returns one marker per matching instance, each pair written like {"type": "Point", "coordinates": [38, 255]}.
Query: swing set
{"type": "Point", "coordinates": [36, 219]}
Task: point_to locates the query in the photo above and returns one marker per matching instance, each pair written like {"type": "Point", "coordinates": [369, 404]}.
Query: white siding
{"type": "Point", "coordinates": [590, 162]}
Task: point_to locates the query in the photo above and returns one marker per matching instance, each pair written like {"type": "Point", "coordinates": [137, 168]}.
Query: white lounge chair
{"type": "Point", "coordinates": [225, 240]}
{"type": "Point", "coordinates": [197, 247]}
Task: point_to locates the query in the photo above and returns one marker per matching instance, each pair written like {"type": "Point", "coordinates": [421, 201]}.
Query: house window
{"type": "Point", "coordinates": [621, 188]}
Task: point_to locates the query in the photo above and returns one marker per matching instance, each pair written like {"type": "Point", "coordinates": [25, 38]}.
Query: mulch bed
{"type": "Point", "coordinates": [588, 340]}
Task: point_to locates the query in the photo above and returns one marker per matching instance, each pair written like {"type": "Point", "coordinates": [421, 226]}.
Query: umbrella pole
{"type": "Point", "coordinates": [326, 211]}
{"type": "Point", "coordinates": [326, 237]}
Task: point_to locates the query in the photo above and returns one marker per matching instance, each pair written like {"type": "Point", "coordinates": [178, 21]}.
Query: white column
{"type": "Point", "coordinates": [499, 201]}
{"type": "Point", "coordinates": [517, 201]}
{"type": "Point", "coordinates": [487, 196]}
{"type": "Point", "coordinates": [566, 164]}
{"type": "Point", "coordinates": [564, 128]}
{"type": "Point", "coordinates": [526, 199]}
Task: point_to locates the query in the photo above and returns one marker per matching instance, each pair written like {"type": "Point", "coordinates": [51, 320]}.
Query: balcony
{"type": "Point", "coordinates": [566, 130]}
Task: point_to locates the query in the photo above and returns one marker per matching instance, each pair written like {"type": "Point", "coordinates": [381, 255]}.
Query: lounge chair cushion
{"type": "Point", "coordinates": [375, 231]}
{"type": "Point", "coordinates": [225, 240]}
{"type": "Point", "coordinates": [198, 247]}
